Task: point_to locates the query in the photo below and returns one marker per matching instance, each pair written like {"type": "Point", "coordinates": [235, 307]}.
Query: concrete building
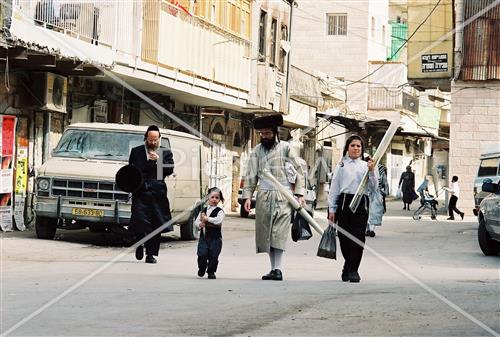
{"type": "Point", "coordinates": [210, 64]}
{"type": "Point", "coordinates": [344, 37]}
{"type": "Point", "coordinates": [364, 46]}
{"type": "Point", "coordinates": [475, 91]}
{"type": "Point", "coordinates": [460, 58]}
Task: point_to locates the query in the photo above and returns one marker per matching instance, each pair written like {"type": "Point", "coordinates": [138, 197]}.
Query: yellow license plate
{"type": "Point", "coordinates": [87, 212]}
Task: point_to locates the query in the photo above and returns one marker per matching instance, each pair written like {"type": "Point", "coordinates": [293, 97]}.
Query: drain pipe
{"type": "Point", "coordinates": [292, 5]}
{"type": "Point", "coordinates": [459, 38]}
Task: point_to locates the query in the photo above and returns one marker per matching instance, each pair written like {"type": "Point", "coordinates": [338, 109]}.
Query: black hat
{"type": "Point", "coordinates": [268, 122]}
{"type": "Point", "coordinates": [129, 179]}
{"type": "Point", "coordinates": [151, 128]}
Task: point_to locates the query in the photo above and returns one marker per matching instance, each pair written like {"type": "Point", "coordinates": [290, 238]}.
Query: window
{"type": "Point", "coordinates": [488, 167]}
{"type": "Point", "coordinates": [212, 12]}
{"type": "Point", "coordinates": [274, 32]}
{"type": "Point", "coordinates": [283, 53]}
{"type": "Point", "coordinates": [373, 28]}
{"type": "Point", "coordinates": [262, 36]}
{"type": "Point", "coordinates": [336, 24]}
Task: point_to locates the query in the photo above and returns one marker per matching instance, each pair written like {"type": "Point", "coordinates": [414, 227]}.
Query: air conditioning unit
{"type": "Point", "coordinates": [51, 91]}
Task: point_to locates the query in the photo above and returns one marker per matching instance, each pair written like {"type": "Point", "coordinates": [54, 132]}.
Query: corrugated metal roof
{"type": "Point", "coordinates": [481, 44]}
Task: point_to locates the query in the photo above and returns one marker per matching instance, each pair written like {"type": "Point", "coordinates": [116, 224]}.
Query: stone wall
{"type": "Point", "coordinates": [475, 124]}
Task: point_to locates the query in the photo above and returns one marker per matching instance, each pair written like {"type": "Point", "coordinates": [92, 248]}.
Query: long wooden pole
{"type": "Point", "coordinates": [291, 199]}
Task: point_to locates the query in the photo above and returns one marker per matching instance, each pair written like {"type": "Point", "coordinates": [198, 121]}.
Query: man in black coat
{"type": "Point", "coordinates": [150, 205]}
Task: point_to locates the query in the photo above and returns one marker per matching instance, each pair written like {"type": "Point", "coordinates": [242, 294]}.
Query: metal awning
{"type": "Point", "coordinates": [374, 124]}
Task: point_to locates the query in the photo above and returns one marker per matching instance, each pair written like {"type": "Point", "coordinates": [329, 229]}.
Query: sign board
{"type": "Point", "coordinates": [434, 63]}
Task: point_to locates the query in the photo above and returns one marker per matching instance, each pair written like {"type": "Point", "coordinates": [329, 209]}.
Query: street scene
{"type": "Point", "coordinates": [130, 298]}
{"type": "Point", "coordinates": [250, 168]}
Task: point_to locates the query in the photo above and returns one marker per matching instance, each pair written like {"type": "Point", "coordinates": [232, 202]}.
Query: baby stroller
{"type": "Point", "coordinates": [428, 205]}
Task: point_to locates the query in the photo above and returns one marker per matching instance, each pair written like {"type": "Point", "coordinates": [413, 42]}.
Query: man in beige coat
{"type": "Point", "coordinates": [272, 210]}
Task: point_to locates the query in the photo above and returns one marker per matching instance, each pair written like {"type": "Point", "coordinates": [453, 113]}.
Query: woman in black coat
{"type": "Point", "coordinates": [150, 205]}
{"type": "Point", "coordinates": [407, 185]}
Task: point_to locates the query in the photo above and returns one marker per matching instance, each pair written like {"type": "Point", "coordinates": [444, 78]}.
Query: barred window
{"type": "Point", "coordinates": [336, 24]}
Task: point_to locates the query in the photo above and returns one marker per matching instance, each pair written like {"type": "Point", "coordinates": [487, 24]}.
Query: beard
{"type": "Point", "coordinates": [151, 147]}
{"type": "Point", "coordinates": [268, 143]}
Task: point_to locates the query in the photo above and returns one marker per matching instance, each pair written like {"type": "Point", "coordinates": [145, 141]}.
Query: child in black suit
{"type": "Point", "coordinates": [210, 243]}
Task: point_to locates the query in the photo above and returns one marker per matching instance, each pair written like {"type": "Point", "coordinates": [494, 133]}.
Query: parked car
{"type": "Point", "coordinates": [488, 172]}
{"type": "Point", "coordinates": [76, 187]}
{"type": "Point", "coordinates": [488, 233]}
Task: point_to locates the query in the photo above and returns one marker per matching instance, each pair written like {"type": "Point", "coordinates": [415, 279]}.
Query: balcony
{"type": "Point", "coordinates": [140, 38]}
{"type": "Point", "coordinates": [172, 38]}
{"type": "Point", "coordinates": [381, 98]}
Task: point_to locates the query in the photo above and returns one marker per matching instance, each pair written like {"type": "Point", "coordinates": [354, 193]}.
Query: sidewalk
{"type": "Point", "coordinates": [395, 207]}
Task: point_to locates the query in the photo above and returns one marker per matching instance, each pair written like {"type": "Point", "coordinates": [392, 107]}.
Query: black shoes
{"type": "Point", "coordinates": [345, 275]}
{"type": "Point", "coordinates": [211, 276]}
{"type": "Point", "coordinates": [451, 218]}
{"type": "Point", "coordinates": [354, 277]}
{"type": "Point", "coordinates": [139, 252]}
{"type": "Point", "coordinates": [278, 276]}
{"type": "Point", "coordinates": [150, 259]}
{"type": "Point", "coordinates": [268, 276]}
{"type": "Point", "coordinates": [275, 275]}
{"type": "Point", "coordinates": [201, 272]}
{"type": "Point", "coordinates": [462, 215]}
{"type": "Point", "coordinates": [370, 234]}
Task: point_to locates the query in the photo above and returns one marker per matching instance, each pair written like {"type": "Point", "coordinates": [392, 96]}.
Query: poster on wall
{"type": "Point", "coordinates": [7, 140]}
{"type": "Point", "coordinates": [19, 212]}
{"type": "Point", "coordinates": [21, 171]}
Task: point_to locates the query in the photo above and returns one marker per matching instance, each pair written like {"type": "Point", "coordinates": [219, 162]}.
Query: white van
{"type": "Point", "coordinates": [488, 171]}
{"type": "Point", "coordinates": [76, 187]}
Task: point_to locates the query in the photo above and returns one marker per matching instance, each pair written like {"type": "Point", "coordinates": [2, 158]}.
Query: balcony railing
{"type": "Point", "coordinates": [174, 39]}
{"type": "Point", "coordinates": [381, 98]}
{"type": "Point", "coordinates": [106, 23]}
{"type": "Point", "coordinates": [171, 38]}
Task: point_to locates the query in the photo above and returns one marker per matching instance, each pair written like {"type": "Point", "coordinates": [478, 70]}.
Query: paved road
{"type": "Point", "coordinates": [130, 298]}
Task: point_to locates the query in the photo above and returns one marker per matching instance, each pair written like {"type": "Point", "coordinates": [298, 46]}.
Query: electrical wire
{"type": "Point", "coordinates": [404, 44]}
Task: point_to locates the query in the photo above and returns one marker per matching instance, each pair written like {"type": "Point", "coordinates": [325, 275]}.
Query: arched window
{"type": "Point", "coordinates": [237, 139]}
{"type": "Point", "coordinates": [218, 129]}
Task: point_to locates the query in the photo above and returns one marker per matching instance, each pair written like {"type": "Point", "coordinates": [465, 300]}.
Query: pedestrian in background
{"type": "Point", "coordinates": [273, 213]}
{"type": "Point", "coordinates": [407, 186]}
{"type": "Point", "coordinates": [210, 242]}
{"type": "Point", "coordinates": [150, 205]}
{"type": "Point", "coordinates": [455, 193]}
{"type": "Point", "coordinates": [377, 207]}
{"type": "Point", "coordinates": [348, 175]}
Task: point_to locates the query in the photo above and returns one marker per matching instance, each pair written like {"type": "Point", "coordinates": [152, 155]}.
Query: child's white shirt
{"type": "Point", "coordinates": [217, 220]}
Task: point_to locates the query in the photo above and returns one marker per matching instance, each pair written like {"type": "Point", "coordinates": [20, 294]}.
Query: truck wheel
{"type": "Point", "coordinates": [45, 227]}
{"type": "Point", "coordinates": [243, 213]}
{"type": "Point", "coordinates": [486, 243]}
{"type": "Point", "coordinates": [188, 230]}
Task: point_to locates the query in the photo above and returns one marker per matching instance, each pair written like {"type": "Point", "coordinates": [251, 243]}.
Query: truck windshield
{"type": "Point", "coordinates": [92, 144]}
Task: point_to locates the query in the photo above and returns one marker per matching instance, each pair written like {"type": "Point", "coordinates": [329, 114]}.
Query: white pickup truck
{"type": "Point", "coordinates": [76, 187]}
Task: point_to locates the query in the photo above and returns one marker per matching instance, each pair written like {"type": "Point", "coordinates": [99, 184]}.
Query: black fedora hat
{"type": "Point", "coordinates": [269, 121]}
{"type": "Point", "coordinates": [128, 178]}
